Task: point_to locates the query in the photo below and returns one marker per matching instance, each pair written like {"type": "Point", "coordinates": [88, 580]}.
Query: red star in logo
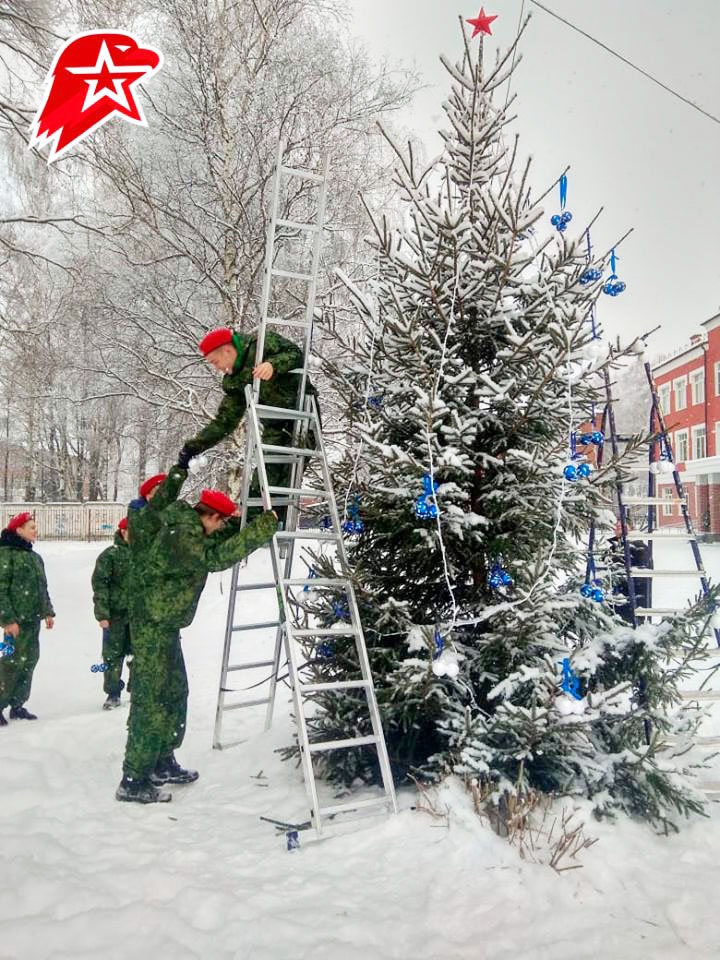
{"type": "Point", "coordinates": [482, 23]}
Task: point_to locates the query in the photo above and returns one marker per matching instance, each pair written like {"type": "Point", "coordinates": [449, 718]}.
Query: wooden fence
{"type": "Point", "coordinates": [69, 521]}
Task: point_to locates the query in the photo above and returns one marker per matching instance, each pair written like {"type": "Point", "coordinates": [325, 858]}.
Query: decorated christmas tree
{"type": "Point", "coordinates": [474, 368]}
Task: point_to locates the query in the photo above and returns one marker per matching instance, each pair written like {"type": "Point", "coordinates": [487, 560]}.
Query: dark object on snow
{"type": "Point", "coordinates": [168, 770]}
{"type": "Point", "coordinates": [20, 713]}
{"type": "Point", "coordinates": [141, 791]}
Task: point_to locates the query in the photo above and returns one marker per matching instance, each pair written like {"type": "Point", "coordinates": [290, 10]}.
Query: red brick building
{"type": "Point", "coordinates": [688, 385]}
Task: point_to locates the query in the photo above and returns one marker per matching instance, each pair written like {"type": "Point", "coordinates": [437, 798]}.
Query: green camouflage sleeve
{"type": "Point", "coordinates": [7, 614]}
{"type": "Point", "coordinates": [48, 609]}
{"type": "Point", "coordinates": [168, 491]}
{"type": "Point", "coordinates": [283, 354]}
{"type": "Point", "coordinates": [220, 555]}
{"type": "Point", "coordinates": [101, 578]}
{"type": "Point", "coordinates": [228, 416]}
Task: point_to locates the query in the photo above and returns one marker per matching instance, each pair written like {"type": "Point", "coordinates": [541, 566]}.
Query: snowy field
{"type": "Point", "coordinates": [203, 877]}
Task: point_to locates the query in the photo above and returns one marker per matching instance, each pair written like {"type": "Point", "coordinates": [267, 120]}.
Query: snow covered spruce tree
{"type": "Point", "coordinates": [473, 365]}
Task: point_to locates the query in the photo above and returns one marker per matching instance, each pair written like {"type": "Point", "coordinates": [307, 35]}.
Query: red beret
{"type": "Point", "coordinates": [123, 524]}
{"type": "Point", "coordinates": [218, 502]}
{"type": "Point", "coordinates": [150, 484]}
{"type": "Point", "coordinates": [216, 338]}
{"type": "Point", "coordinates": [19, 520]}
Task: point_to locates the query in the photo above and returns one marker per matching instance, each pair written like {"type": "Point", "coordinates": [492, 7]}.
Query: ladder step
{"type": "Point", "coordinates": [251, 666]}
{"type": "Point", "coordinates": [325, 632]}
{"type": "Point", "coordinates": [354, 805]}
{"type": "Point", "coordinates": [333, 685]}
{"type": "Point", "coordinates": [291, 274]}
{"type": "Point", "coordinates": [308, 534]}
{"type": "Point", "coordinates": [710, 786]}
{"type": "Point", "coordinates": [342, 744]}
{"type": "Point", "coordinates": [298, 492]}
{"type": "Point", "coordinates": [279, 322]}
{"type": "Point", "coordinates": [315, 582]}
{"type": "Point", "coordinates": [302, 174]}
{"type": "Point", "coordinates": [294, 225]}
{"type": "Point", "coordinates": [256, 586]}
{"type": "Point", "coordinates": [700, 694]}
{"type": "Point", "coordinates": [658, 611]}
{"type": "Point", "coordinates": [291, 451]}
{"type": "Point", "coordinates": [245, 703]}
{"type": "Point", "coordinates": [641, 573]}
{"type": "Point", "coordinates": [657, 535]}
{"type": "Point", "coordinates": [654, 501]}
{"type": "Point", "coordinates": [255, 626]}
{"type": "Point", "coordinates": [281, 413]}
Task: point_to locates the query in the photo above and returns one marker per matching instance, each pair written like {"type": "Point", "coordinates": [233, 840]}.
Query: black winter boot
{"type": "Point", "coordinates": [112, 701]}
{"type": "Point", "coordinates": [168, 770]}
{"type": "Point", "coordinates": [141, 791]}
{"type": "Point", "coordinates": [20, 713]}
{"type": "Point", "coordinates": [3, 721]}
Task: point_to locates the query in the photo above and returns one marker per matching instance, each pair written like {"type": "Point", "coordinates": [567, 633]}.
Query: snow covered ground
{"type": "Point", "coordinates": [203, 877]}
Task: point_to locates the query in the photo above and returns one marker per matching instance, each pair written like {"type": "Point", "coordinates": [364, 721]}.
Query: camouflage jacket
{"type": "Point", "coordinates": [144, 515]}
{"type": "Point", "coordinates": [23, 586]}
{"type": "Point", "coordinates": [279, 391]}
{"type": "Point", "coordinates": [175, 566]}
{"type": "Point", "coordinates": [110, 582]}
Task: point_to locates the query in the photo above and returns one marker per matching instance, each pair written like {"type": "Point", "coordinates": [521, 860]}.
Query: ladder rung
{"type": "Point", "coordinates": [294, 225]}
{"type": "Point", "coordinates": [307, 534]}
{"type": "Point", "coordinates": [710, 786]}
{"type": "Point", "coordinates": [291, 274]}
{"type": "Point", "coordinates": [255, 626]}
{"type": "Point", "coordinates": [333, 685]}
{"type": "Point", "coordinates": [245, 703]}
{"type": "Point", "coordinates": [277, 502]}
{"type": "Point", "coordinates": [645, 573]}
{"type": "Point", "coordinates": [315, 582]}
{"type": "Point", "coordinates": [658, 611]}
{"type": "Point", "coordinates": [700, 694]}
{"type": "Point", "coordinates": [281, 413]}
{"type": "Point", "coordinates": [251, 666]}
{"type": "Point", "coordinates": [291, 451]}
{"type": "Point", "coordinates": [342, 744]}
{"type": "Point", "coordinates": [354, 805]}
{"type": "Point", "coordinates": [298, 492]}
{"type": "Point", "coordinates": [324, 632]}
{"type": "Point", "coordinates": [303, 174]}
{"type": "Point", "coordinates": [657, 535]}
{"type": "Point", "coordinates": [256, 586]}
{"type": "Point", "coordinates": [278, 321]}
{"type": "Point", "coordinates": [654, 501]}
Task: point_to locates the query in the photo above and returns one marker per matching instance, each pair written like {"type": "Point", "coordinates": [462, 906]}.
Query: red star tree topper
{"type": "Point", "coordinates": [91, 79]}
{"type": "Point", "coordinates": [482, 22]}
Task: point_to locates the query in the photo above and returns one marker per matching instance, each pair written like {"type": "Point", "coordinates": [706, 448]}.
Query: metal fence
{"type": "Point", "coordinates": [69, 521]}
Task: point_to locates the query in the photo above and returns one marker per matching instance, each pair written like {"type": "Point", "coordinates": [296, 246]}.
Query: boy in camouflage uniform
{"type": "Point", "coordinates": [24, 602]}
{"type": "Point", "coordinates": [189, 542]}
{"type": "Point", "coordinates": [233, 354]}
{"type": "Point", "coordinates": [110, 601]}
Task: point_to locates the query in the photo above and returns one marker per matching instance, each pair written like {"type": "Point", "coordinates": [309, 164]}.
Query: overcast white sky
{"type": "Point", "coordinates": [651, 161]}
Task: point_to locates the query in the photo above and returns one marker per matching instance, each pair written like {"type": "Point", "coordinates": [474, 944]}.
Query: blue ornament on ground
{"type": "Point", "coordinates": [425, 504]}
{"type": "Point", "coordinates": [570, 682]}
{"type": "Point", "coordinates": [99, 667]}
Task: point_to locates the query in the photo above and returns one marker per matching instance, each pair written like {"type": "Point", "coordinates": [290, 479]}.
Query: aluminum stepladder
{"type": "Point", "coordinates": [257, 455]}
{"type": "Point", "coordinates": [659, 450]}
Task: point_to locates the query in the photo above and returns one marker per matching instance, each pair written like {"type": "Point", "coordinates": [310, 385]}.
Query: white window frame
{"type": "Point", "coordinates": [717, 438]}
{"type": "Point", "coordinates": [680, 391]}
{"type": "Point", "coordinates": [664, 396]}
{"type": "Point", "coordinates": [681, 436]}
{"type": "Point", "coordinates": [697, 432]}
{"type": "Point", "coordinates": [667, 508]}
{"type": "Point", "coordinates": [697, 387]}
{"type": "Point", "coordinates": [717, 379]}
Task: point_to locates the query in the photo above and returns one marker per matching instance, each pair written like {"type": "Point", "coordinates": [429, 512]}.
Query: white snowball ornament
{"type": "Point", "coordinates": [596, 350]}
{"type": "Point", "coordinates": [315, 363]}
{"type": "Point", "coordinates": [198, 464]}
{"type": "Point", "coordinates": [439, 668]}
{"type": "Point", "coordinates": [665, 466]}
{"type": "Point", "coordinates": [452, 669]}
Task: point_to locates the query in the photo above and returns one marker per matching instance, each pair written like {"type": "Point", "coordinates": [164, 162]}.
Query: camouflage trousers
{"type": "Point", "coordinates": [115, 647]}
{"type": "Point", "coordinates": [158, 703]}
{"type": "Point", "coordinates": [16, 671]}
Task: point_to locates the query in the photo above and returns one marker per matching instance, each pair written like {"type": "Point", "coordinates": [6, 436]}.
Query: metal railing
{"type": "Point", "coordinates": [94, 520]}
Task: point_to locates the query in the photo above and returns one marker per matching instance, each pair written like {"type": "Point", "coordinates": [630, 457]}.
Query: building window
{"type": "Point", "coordinates": [717, 379]}
{"type": "Point", "coordinates": [680, 389]}
{"type": "Point", "coordinates": [682, 451]}
{"type": "Point", "coordinates": [667, 510]}
{"type": "Point", "coordinates": [699, 442]}
{"type": "Point", "coordinates": [664, 398]}
{"type": "Point", "coordinates": [697, 386]}
{"type": "Point", "coordinates": [717, 438]}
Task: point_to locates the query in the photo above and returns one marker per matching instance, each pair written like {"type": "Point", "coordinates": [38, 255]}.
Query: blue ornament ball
{"type": "Point", "coordinates": [597, 595]}
{"type": "Point", "coordinates": [597, 437]}
{"type": "Point", "coordinates": [570, 472]}
{"type": "Point", "coordinates": [586, 590]}
{"type": "Point", "coordinates": [584, 470]}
